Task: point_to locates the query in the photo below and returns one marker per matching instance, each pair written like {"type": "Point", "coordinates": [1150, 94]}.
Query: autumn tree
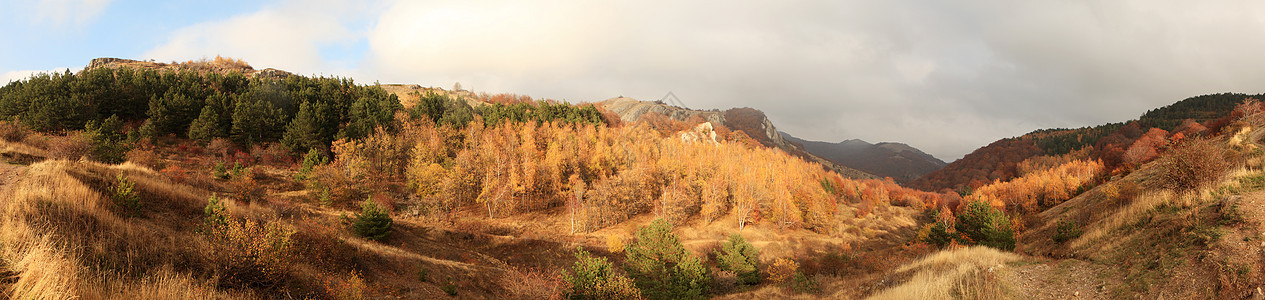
{"type": "Point", "coordinates": [575, 204]}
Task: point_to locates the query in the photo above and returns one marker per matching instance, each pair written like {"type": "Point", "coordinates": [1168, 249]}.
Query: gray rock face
{"type": "Point", "coordinates": [631, 110]}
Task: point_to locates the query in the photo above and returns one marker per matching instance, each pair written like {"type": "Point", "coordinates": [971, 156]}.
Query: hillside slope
{"type": "Point", "coordinates": [1184, 224]}
{"type": "Point", "coordinates": [896, 160]}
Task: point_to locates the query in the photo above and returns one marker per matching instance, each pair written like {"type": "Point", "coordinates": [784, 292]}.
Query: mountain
{"type": "Point", "coordinates": [750, 121]}
{"type": "Point", "coordinates": [1001, 160]}
{"type": "Point", "coordinates": [899, 161]}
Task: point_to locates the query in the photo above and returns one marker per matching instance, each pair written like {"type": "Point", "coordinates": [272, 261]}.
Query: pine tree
{"type": "Point", "coordinates": [171, 113]}
{"type": "Point", "coordinates": [255, 122]}
{"type": "Point", "coordinates": [985, 225]}
{"type": "Point", "coordinates": [373, 222]}
{"type": "Point", "coordinates": [740, 257]}
{"type": "Point", "coordinates": [109, 144]}
{"type": "Point", "coordinates": [661, 267]}
{"type": "Point", "coordinates": [207, 126]}
{"type": "Point", "coordinates": [305, 131]}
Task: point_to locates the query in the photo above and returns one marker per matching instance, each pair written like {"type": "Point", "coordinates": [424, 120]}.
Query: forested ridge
{"type": "Point", "coordinates": [1108, 142]}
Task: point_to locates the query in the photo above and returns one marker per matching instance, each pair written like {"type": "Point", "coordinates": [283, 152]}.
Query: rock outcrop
{"type": "Point", "coordinates": [197, 66]}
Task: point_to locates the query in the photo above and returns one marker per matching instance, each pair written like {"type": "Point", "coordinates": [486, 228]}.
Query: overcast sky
{"type": "Point", "coordinates": [944, 76]}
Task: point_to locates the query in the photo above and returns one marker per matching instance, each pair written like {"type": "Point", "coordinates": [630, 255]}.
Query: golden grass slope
{"type": "Point", "coordinates": [964, 273]}
{"type": "Point", "coordinates": [64, 239]}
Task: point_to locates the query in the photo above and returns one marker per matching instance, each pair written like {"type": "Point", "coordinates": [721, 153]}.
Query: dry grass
{"type": "Point", "coordinates": [1123, 216]}
{"type": "Point", "coordinates": [965, 273]}
{"type": "Point", "coordinates": [61, 235]}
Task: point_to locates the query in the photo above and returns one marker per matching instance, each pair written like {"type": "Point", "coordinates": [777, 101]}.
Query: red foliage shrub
{"type": "Point", "coordinates": [243, 158]}
{"type": "Point", "coordinates": [12, 131]}
{"type": "Point", "coordinates": [247, 188]}
{"type": "Point", "coordinates": [521, 283]}
{"type": "Point", "coordinates": [147, 158]}
{"type": "Point", "coordinates": [1194, 163]}
{"type": "Point", "coordinates": [176, 173]}
{"type": "Point", "coordinates": [73, 146]}
{"type": "Point", "coordinates": [274, 155]}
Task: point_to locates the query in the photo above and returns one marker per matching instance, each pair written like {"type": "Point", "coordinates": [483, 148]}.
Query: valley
{"type": "Point", "coordinates": [211, 180]}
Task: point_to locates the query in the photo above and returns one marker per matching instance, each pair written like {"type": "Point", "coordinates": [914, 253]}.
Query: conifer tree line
{"type": "Point", "coordinates": [302, 113]}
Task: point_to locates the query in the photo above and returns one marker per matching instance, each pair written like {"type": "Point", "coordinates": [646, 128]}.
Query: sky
{"type": "Point", "coordinates": [943, 76]}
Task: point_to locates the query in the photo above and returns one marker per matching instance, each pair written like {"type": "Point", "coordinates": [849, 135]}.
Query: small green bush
{"type": "Point", "coordinates": [802, 284]}
{"type": "Point", "coordinates": [1066, 231]}
{"type": "Point", "coordinates": [1204, 235]}
{"type": "Point", "coordinates": [312, 159]}
{"type": "Point", "coordinates": [125, 196]}
{"type": "Point", "coordinates": [324, 199]}
{"type": "Point", "coordinates": [219, 171]}
{"type": "Point", "coordinates": [109, 143]}
{"type": "Point", "coordinates": [593, 278]}
{"type": "Point", "coordinates": [939, 234]}
{"type": "Point", "coordinates": [741, 258]}
{"type": "Point", "coordinates": [422, 274]}
{"type": "Point", "coordinates": [449, 287]}
{"type": "Point", "coordinates": [372, 222]}
{"type": "Point", "coordinates": [214, 214]}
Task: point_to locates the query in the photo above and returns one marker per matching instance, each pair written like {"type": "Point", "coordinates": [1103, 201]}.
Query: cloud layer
{"type": "Point", "coordinates": [946, 78]}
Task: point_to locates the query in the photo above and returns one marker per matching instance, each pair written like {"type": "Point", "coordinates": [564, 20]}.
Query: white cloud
{"type": "Point", "coordinates": [288, 36]}
{"type": "Point", "coordinates": [61, 12]}
{"type": "Point", "coordinates": [946, 78]}
{"type": "Point", "coordinates": [11, 76]}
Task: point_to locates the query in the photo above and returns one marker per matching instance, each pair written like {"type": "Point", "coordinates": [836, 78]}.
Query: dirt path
{"type": "Point", "coordinates": [9, 174]}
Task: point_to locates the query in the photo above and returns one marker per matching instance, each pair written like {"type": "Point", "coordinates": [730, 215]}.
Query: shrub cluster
{"type": "Point", "coordinates": [253, 253]}
{"type": "Point", "coordinates": [659, 267]}
{"type": "Point", "coordinates": [593, 278]}
{"type": "Point", "coordinates": [1066, 230]}
{"type": "Point", "coordinates": [977, 224]}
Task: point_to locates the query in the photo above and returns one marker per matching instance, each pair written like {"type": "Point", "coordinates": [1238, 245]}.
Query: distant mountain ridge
{"type": "Point", "coordinates": [901, 162]}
